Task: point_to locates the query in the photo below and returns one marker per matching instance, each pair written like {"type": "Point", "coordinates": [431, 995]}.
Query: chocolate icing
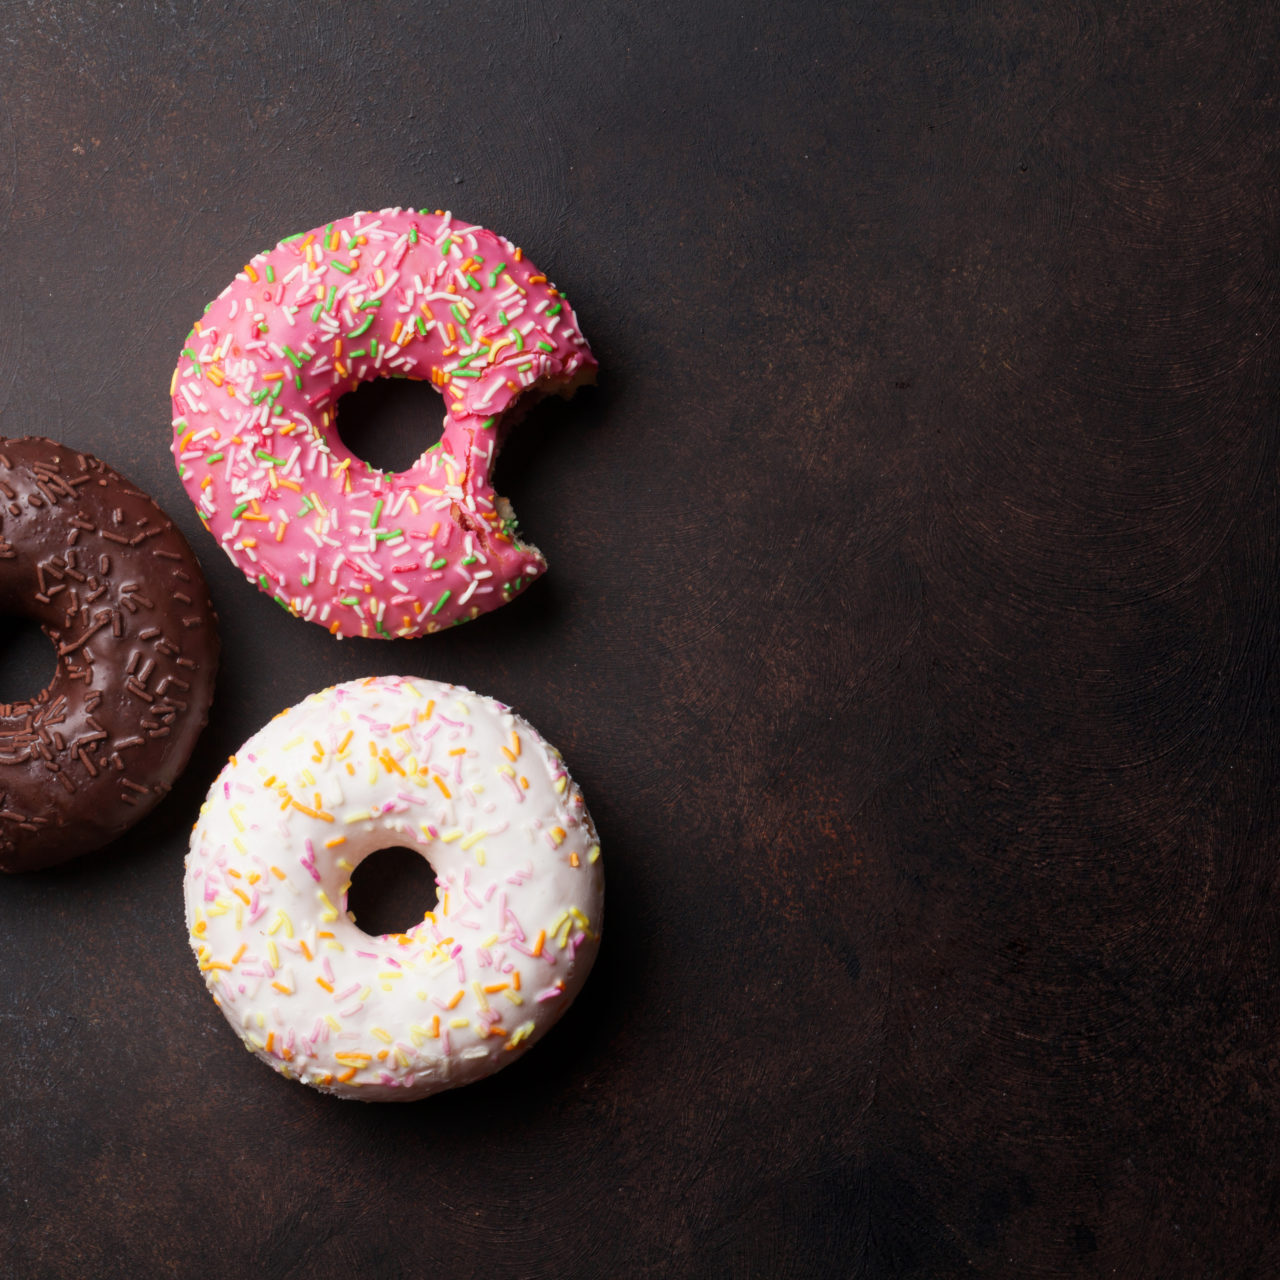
{"type": "Point", "coordinates": [114, 586]}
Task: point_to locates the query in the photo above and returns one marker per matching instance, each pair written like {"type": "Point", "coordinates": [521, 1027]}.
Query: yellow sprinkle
{"type": "Point", "coordinates": [474, 838]}
{"type": "Point", "coordinates": [273, 955]}
{"type": "Point", "coordinates": [384, 1036]}
{"type": "Point", "coordinates": [459, 1022]}
{"type": "Point", "coordinates": [593, 854]}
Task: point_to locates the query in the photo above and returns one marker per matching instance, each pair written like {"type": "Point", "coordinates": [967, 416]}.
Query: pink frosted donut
{"type": "Point", "coordinates": [401, 294]}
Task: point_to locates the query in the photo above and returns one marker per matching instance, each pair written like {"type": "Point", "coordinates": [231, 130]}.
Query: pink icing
{"type": "Point", "coordinates": [391, 294]}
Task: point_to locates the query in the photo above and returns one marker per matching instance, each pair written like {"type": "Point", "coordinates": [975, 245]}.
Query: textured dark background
{"type": "Point", "coordinates": [910, 627]}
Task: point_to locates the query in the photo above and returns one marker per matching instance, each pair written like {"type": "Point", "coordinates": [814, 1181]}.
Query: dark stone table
{"type": "Point", "coordinates": [910, 626]}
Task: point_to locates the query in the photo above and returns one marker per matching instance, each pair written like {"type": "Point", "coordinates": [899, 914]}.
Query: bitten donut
{"type": "Point", "coordinates": [392, 294]}
{"type": "Point", "coordinates": [357, 768]}
{"type": "Point", "coordinates": [117, 590]}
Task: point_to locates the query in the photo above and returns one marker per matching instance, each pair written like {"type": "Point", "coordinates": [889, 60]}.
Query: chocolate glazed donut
{"type": "Point", "coordinates": [113, 584]}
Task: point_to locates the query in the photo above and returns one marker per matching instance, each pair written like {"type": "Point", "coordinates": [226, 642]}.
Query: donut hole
{"type": "Point", "coordinates": [28, 660]}
{"type": "Point", "coordinates": [391, 891]}
{"type": "Point", "coordinates": [390, 422]}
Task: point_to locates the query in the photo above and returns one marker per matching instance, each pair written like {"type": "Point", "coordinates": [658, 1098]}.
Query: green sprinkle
{"type": "Point", "coordinates": [298, 360]}
{"type": "Point", "coordinates": [307, 505]}
{"type": "Point", "coordinates": [377, 512]}
{"type": "Point", "coordinates": [466, 373]}
{"type": "Point", "coordinates": [333, 294]}
{"type": "Point", "coordinates": [306, 582]}
{"type": "Point", "coordinates": [554, 310]}
{"type": "Point", "coordinates": [502, 319]}
{"type": "Point", "coordinates": [235, 515]}
{"type": "Point", "coordinates": [263, 583]}
{"type": "Point", "coordinates": [472, 282]}
{"type": "Point", "coordinates": [448, 244]}
{"type": "Point", "coordinates": [462, 329]}
{"type": "Point", "coordinates": [519, 339]}
{"type": "Point", "coordinates": [355, 355]}
{"type": "Point", "coordinates": [383, 629]}
{"type": "Point", "coordinates": [471, 560]}
{"type": "Point", "coordinates": [373, 347]}
{"type": "Point", "coordinates": [458, 314]}
{"type": "Point", "coordinates": [268, 458]}
{"type": "Point", "coordinates": [216, 457]}
{"type": "Point", "coordinates": [373, 302]}
{"type": "Point", "coordinates": [440, 602]}
{"type": "Point", "coordinates": [439, 564]}
{"type": "Point", "coordinates": [545, 346]}
{"type": "Point", "coordinates": [297, 381]}
{"type": "Point", "coordinates": [315, 312]}
{"type": "Point", "coordinates": [384, 535]}
{"type": "Point", "coordinates": [291, 239]}
{"type": "Point", "coordinates": [259, 396]}
{"type": "Point", "coordinates": [271, 274]}
{"type": "Point", "coordinates": [355, 333]}
{"type": "Point", "coordinates": [494, 274]}
{"type": "Point", "coordinates": [421, 325]}
{"type": "Point", "coordinates": [350, 601]}
{"type": "Point", "coordinates": [341, 266]}
{"type": "Point", "coordinates": [413, 235]}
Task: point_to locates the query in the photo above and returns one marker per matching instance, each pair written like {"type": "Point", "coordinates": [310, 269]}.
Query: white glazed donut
{"type": "Point", "coordinates": [357, 768]}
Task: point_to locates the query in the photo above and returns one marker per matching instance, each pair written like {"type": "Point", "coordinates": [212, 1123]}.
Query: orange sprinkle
{"type": "Point", "coordinates": [275, 871]}
{"type": "Point", "coordinates": [435, 777]}
{"type": "Point", "coordinates": [250, 272]}
{"type": "Point", "coordinates": [328, 986]}
{"type": "Point", "coordinates": [453, 1004]}
{"type": "Point", "coordinates": [515, 979]}
{"type": "Point", "coordinates": [306, 950]}
{"type": "Point", "coordinates": [435, 1027]}
{"type": "Point", "coordinates": [348, 1074]}
{"type": "Point", "coordinates": [335, 842]}
{"type": "Point", "coordinates": [272, 377]}
{"type": "Point", "coordinates": [573, 859]}
{"type": "Point", "coordinates": [240, 950]}
{"type": "Point", "coordinates": [538, 941]}
{"type": "Point", "coordinates": [282, 989]}
{"type": "Point", "coordinates": [240, 893]}
{"type": "Point", "coordinates": [494, 987]}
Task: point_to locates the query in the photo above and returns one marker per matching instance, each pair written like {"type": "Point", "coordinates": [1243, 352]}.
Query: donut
{"type": "Point", "coordinates": [399, 294]}
{"type": "Point", "coordinates": [115, 587]}
{"type": "Point", "coordinates": [354, 769]}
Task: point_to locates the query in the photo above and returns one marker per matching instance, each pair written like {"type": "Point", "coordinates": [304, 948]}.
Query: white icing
{"type": "Point", "coordinates": [471, 786]}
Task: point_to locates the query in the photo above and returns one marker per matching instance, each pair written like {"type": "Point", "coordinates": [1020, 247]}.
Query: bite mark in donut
{"type": "Point", "coordinates": [397, 293]}
{"type": "Point", "coordinates": [352, 769]}
{"type": "Point", "coordinates": [114, 586]}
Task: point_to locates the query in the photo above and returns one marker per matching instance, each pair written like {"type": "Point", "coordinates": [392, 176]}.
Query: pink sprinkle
{"type": "Point", "coordinates": [328, 969]}
{"type": "Point", "coordinates": [344, 995]}
{"type": "Point", "coordinates": [462, 973]}
{"type": "Point", "coordinates": [367, 955]}
{"type": "Point", "coordinates": [548, 993]}
{"type": "Point", "coordinates": [444, 1041]}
